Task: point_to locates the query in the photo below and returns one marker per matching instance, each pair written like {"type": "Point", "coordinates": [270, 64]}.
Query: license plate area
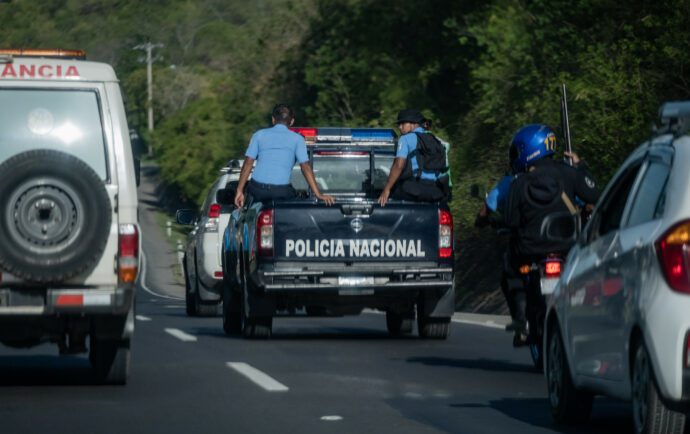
{"type": "Point", "coordinates": [548, 285]}
{"type": "Point", "coordinates": [355, 280]}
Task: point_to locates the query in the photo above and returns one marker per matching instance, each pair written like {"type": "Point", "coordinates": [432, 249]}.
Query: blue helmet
{"type": "Point", "coordinates": [533, 142]}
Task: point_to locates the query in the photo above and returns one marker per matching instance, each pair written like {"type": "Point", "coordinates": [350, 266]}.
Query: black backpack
{"type": "Point", "coordinates": [430, 154]}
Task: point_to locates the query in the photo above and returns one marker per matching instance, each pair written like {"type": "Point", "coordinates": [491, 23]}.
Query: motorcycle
{"type": "Point", "coordinates": [539, 280]}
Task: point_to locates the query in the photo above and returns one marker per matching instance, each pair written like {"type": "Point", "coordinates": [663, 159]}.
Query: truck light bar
{"type": "Point", "coordinates": [44, 52]}
{"type": "Point", "coordinates": [347, 136]}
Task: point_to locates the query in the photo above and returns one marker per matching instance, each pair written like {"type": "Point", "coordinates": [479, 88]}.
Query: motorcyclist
{"type": "Point", "coordinates": [492, 212]}
{"type": "Point", "coordinates": [547, 186]}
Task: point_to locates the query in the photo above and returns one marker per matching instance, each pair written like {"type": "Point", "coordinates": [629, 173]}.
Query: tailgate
{"type": "Point", "coordinates": [356, 232]}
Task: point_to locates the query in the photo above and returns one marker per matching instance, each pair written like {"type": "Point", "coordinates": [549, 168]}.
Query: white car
{"type": "Point", "coordinates": [202, 259]}
{"type": "Point", "coordinates": [69, 249]}
{"type": "Point", "coordinates": [619, 321]}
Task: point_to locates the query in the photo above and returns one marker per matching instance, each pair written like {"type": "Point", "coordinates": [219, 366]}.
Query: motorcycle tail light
{"type": "Point", "coordinates": [524, 269]}
{"type": "Point", "coordinates": [552, 268]}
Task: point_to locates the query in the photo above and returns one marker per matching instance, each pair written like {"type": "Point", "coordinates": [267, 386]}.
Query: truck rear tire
{"type": "Point", "coordinates": [232, 322]}
{"type": "Point", "coordinates": [398, 323]}
{"type": "Point", "coordinates": [110, 359]}
{"type": "Point", "coordinates": [433, 328]}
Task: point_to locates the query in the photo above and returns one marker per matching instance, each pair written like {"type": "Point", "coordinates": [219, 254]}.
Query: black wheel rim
{"type": "Point", "coordinates": [44, 216]}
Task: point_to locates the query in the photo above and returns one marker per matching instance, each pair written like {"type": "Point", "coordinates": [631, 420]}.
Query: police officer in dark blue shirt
{"type": "Point", "coordinates": [275, 151]}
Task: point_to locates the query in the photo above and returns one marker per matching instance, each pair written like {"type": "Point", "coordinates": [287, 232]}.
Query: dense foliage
{"type": "Point", "coordinates": [479, 68]}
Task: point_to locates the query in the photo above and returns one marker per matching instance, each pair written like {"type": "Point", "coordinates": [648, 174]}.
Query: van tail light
{"type": "Point", "coordinates": [445, 234]}
{"type": "Point", "coordinates": [128, 253]}
{"type": "Point", "coordinates": [552, 268]}
{"type": "Point", "coordinates": [672, 250]}
{"type": "Point", "coordinates": [264, 233]}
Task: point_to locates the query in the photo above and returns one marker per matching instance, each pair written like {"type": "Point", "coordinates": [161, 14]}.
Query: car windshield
{"type": "Point", "coordinates": [345, 172]}
{"type": "Point", "coordinates": [63, 120]}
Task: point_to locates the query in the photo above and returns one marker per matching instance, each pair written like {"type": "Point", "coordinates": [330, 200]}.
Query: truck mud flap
{"type": "Point", "coordinates": [439, 303]}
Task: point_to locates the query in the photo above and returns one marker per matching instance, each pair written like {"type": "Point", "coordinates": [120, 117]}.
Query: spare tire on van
{"type": "Point", "coordinates": [55, 216]}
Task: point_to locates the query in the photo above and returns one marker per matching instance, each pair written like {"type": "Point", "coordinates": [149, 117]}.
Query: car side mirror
{"type": "Point", "coordinates": [561, 227]}
{"type": "Point", "coordinates": [185, 216]}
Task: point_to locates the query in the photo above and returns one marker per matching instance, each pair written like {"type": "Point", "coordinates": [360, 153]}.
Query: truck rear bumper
{"type": "Point", "coordinates": [380, 288]}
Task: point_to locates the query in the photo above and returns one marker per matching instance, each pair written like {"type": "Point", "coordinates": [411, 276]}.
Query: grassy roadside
{"type": "Point", "coordinates": [177, 239]}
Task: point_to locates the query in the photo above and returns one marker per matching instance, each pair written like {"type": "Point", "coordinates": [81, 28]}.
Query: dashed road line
{"type": "Point", "coordinates": [142, 318]}
{"type": "Point", "coordinates": [259, 378]}
{"type": "Point", "coordinates": [179, 334]}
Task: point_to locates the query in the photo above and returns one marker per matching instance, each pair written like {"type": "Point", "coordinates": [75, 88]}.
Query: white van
{"type": "Point", "coordinates": [69, 232]}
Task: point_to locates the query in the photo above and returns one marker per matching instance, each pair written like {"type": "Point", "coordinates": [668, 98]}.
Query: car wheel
{"type": "Point", "coordinates": [568, 404]}
{"type": "Point", "coordinates": [198, 306]}
{"type": "Point", "coordinates": [52, 205]}
{"type": "Point", "coordinates": [232, 322]}
{"type": "Point", "coordinates": [649, 412]}
{"type": "Point", "coordinates": [110, 359]}
{"type": "Point", "coordinates": [398, 323]}
{"type": "Point", "coordinates": [190, 307]}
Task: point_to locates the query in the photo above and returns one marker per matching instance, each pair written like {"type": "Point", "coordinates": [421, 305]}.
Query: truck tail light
{"type": "Point", "coordinates": [445, 234]}
{"type": "Point", "coordinates": [672, 250]}
{"type": "Point", "coordinates": [552, 268]}
{"type": "Point", "coordinates": [128, 253]}
{"type": "Point", "coordinates": [264, 233]}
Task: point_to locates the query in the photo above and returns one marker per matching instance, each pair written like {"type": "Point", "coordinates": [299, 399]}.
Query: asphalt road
{"type": "Point", "coordinates": [324, 375]}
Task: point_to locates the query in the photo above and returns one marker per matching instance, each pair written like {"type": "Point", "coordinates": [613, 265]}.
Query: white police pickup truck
{"type": "Point", "coordinates": [69, 233]}
{"type": "Point", "coordinates": [304, 256]}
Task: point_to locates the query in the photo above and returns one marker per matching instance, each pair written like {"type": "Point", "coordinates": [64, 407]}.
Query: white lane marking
{"type": "Point", "coordinates": [179, 334]}
{"type": "Point", "coordinates": [142, 280]}
{"type": "Point", "coordinates": [142, 318]}
{"type": "Point", "coordinates": [172, 306]}
{"type": "Point", "coordinates": [332, 418]}
{"type": "Point", "coordinates": [259, 378]}
{"type": "Point", "coordinates": [490, 324]}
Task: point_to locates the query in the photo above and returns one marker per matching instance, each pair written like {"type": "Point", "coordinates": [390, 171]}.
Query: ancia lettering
{"type": "Point", "coordinates": [354, 248]}
{"type": "Point", "coordinates": [10, 70]}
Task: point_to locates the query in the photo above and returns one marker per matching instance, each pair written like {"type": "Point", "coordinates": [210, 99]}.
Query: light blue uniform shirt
{"type": "Point", "coordinates": [275, 150]}
{"type": "Point", "coordinates": [496, 198]}
{"type": "Point", "coordinates": [408, 143]}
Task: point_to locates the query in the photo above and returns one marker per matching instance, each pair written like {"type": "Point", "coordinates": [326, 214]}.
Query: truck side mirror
{"type": "Point", "coordinates": [561, 227]}
{"type": "Point", "coordinates": [185, 216]}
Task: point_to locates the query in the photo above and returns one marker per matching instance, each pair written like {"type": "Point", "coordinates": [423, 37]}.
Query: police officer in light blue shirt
{"type": "Point", "coordinates": [275, 151]}
{"type": "Point", "coordinates": [419, 188]}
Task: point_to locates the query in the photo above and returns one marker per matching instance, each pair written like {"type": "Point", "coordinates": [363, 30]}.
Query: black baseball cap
{"type": "Point", "coordinates": [410, 115]}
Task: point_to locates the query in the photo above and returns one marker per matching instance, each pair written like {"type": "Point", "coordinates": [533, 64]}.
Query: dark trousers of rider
{"type": "Point", "coordinates": [267, 192]}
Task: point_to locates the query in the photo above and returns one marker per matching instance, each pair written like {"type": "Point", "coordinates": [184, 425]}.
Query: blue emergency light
{"type": "Point", "coordinates": [373, 134]}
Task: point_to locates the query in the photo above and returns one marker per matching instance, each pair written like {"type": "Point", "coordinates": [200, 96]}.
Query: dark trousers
{"type": "Point", "coordinates": [268, 192]}
{"type": "Point", "coordinates": [418, 190]}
